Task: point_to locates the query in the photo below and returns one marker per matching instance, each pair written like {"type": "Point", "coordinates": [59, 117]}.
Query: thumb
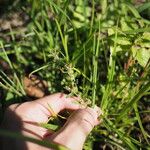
{"type": "Point", "coordinates": [73, 134]}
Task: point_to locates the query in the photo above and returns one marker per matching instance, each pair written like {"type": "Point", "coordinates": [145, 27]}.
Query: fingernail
{"type": "Point", "coordinates": [98, 110]}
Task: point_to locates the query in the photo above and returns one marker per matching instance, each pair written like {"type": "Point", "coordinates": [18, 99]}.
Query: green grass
{"type": "Point", "coordinates": [99, 50]}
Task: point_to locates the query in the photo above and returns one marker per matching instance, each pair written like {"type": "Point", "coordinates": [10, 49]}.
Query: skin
{"type": "Point", "coordinates": [25, 118]}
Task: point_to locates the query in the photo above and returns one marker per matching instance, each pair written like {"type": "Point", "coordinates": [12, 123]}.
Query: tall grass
{"type": "Point", "coordinates": [98, 50]}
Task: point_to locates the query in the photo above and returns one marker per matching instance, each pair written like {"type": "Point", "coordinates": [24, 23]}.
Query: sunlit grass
{"type": "Point", "coordinates": [99, 51]}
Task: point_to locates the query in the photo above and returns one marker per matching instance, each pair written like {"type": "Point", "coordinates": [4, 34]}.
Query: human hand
{"type": "Point", "coordinates": [30, 114]}
{"type": "Point", "coordinates": [73, 134]}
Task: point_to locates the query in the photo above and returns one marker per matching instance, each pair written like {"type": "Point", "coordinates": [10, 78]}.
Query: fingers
{"type": "Point", "coordinates": [73, 134]}
{"type": "Point", "coordinates": [87, 117]}
{"type": "Point", "coordinates": [13, 107]}
{"type": "Point", "coordinates": [58, 102]}
{"type": "Point", "coordinates": [99, 113]}
{"type": "Point", "coordinates": [71, 103]}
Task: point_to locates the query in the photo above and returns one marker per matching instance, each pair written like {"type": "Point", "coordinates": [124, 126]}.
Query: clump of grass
{"type": "Point", "coordinates": [97, 50]}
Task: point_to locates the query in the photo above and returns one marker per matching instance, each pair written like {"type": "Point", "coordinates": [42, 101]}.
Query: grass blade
{"type": "Point", "coordinates": [44, 143]}
{"type": "Point", "coordinates": [135, 99]}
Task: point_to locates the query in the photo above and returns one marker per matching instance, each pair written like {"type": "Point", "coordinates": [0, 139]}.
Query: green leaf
{"type": "Point", "coordinates": [49, 126]}
{"type": "Point", "coordinates": [142, 55]}
{"type": "Point", "coordinates": [9, 96]}
{"type": "Point", "coordinates": [121, 40]}
{"type": "Point", "coordinates": [143, 7]}
{"type": "Point", "coordinates": [132, 9]}
{"type": "Point", "coordinates": [146, 36]}
{"type": "Point", "coordinates": [141, 49]}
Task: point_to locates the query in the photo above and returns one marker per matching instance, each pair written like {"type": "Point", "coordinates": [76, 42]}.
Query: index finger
{"type": "Point", "coordinates": [58, 102]}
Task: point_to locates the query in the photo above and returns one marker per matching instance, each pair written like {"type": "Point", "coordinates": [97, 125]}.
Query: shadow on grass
{"type": "Point", "coordinates": [5, 6]}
